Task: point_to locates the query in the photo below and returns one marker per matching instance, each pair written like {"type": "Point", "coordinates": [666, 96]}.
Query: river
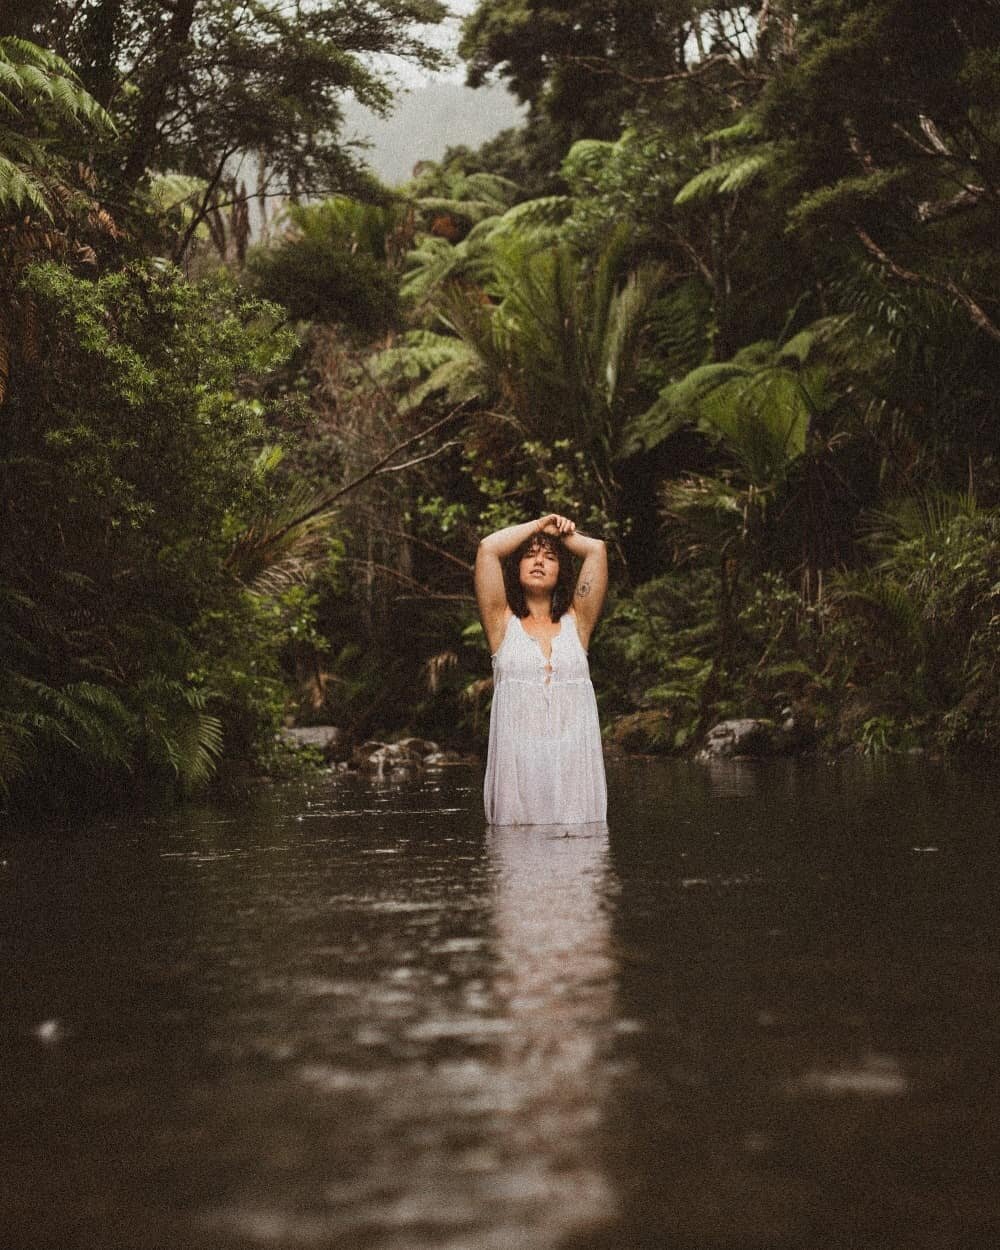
{"type": "Point", "coordinates": [757, 1010]}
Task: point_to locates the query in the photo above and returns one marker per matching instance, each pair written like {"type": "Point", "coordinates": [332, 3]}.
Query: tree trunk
{"type": "Point", "coordinates": [18, 17]}
{"type": "Point", "coordinates": [100, 42]}
{"type": "Point", "coordinates": [156, 93]}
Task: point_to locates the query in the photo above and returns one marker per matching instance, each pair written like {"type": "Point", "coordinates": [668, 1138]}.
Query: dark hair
{"type": "Point", "coordinates": [562, 595]}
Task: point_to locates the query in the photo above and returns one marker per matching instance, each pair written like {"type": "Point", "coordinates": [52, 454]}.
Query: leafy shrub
{"type": "Point", "coordinates": [921, 628]}
{"type": "Point", "coordinates": [127, 455]}
{"type": "Point", "coordinates": [332, 266]}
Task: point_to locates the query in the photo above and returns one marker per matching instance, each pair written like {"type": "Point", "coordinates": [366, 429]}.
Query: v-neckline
{"type": "Point", "coordinates": [538, 641]}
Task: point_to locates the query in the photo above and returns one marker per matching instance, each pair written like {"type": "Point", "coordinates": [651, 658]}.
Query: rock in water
{"type": "Point", "coordinates": [333, 743]}
{"type": "Point", "coordinates": [746, 736]}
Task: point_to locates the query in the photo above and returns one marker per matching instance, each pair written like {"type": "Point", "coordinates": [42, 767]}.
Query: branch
{"type": "Point", "coordinates": [429, 455]}
{"type": "Point", "coordinates": [934, 210]}
{"type": "Point", "coordinates": [206, 205]}
{"type": "Point", "coordinates": [425, 591]}
{"type": "Point", "coordinates": [976, 314]}
{"type": "Point", "coordinates": [943, 154]}
{"type": "Point", "coordinates": [600, 66]}
{"type": "Point", "coordinates": [432, 547]}
{"type": "Point", "coordinates": [700, 264]}
{"type": "Point", "coordinates": [376, 468]}
{"type": "Point", "coordinates": [170, 54]}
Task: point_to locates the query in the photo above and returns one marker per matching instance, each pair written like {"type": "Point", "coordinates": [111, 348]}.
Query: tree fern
{"type": "Point", "coordinates": [40, 91]}
{"type": "Point", "coordinates": [284, 540]}
{"type": "Point", "coordinates": [923, 516]}
{"type": "Point", "coordinates": [416, 354]}
{"type": "Point", "coordinates": [435, 261]}
{"type": "Point", "coordinates": [586, 160]}
{"type": "Point", "coordinates": [747, 127]}
{"type": "Point", "coordinates": [493, 187]}
{"type": "Point", "coordinates": [89, 720]}
{"type": "Point", "coordinates": [702, 513]}
{"type": "Point", "coordinates": [457, 380]}
{"type": "Point", "coordinates": [21, 190]}
{"type": "Point", "coordinates": [727, 177]}
{"type": "Point", "coordinates": [887, 604]}
{"type": "Point", "coordinates": [430, 364]}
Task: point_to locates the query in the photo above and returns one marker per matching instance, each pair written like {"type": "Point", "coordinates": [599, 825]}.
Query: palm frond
{"type": "Point", "coordinates": [925, 516]}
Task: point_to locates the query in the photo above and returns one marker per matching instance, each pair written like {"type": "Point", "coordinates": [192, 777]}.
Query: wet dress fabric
{"type": "Point", "coordinates": [545, 764]}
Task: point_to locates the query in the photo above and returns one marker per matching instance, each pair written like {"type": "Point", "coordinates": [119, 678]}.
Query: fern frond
{"type": "Point", "coordinates": [493, 187]}
{"type": "Point", "coordinates": [545, 213]}
{"type": "Point", "coordinates": [727, 177]}
{"type": "Point", "coordinates": [419, 353]}
{"type": "Point", "coordinates": [459, 379]}
{"type": "Point", "coordinates": [748, 127]}
{"type": "Point", "coordinates": [586, 159]}
{"type": "Point", "coordinates": [21, 191]}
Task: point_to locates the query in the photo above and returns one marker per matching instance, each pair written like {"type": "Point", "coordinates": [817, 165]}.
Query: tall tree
{"type": "Point", "coordinates": [583, 64]}
{"type": "Point", "coordinates": [197, 84]}
{"type": "Point", "coordinates": [891, 118]}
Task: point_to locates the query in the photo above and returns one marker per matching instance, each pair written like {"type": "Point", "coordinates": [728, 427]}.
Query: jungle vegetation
{"type": "Point", "coordinates": [731, 298]}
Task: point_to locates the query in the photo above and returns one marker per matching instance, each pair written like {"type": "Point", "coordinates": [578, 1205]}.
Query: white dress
{"type": "Point", "coordinates": [545, 765]}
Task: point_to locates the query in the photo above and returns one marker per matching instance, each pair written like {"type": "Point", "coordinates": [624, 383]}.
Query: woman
{"type": "Point", "coordinates": [545, 764]}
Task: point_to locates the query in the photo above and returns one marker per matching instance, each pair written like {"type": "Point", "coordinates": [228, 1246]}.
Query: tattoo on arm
{"type": "Point", "coordinates": [583, 589]}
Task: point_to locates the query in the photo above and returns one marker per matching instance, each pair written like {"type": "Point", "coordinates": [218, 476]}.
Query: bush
{"type": "Point", "coordinates": [332, 268]}
{"type": "Point", "coordinates": [127, 456]}
{"type": "Point", "coordinates": [921, 629]}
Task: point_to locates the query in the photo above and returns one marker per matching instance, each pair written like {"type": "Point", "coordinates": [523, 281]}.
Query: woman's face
{"type": "Point", "coordinates": [539, 569]}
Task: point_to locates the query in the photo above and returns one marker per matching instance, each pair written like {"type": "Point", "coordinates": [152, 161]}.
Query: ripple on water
{"type": "Point", "coordinates": [752, 1008]}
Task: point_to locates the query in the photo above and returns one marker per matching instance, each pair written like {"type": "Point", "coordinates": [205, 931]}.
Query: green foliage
{"type": "Point", "coordinates": [430, 364]}
{"type": "Point", "coordinates": [580, 75]}
{"type": "Point", "coordinates": [540, 475]}
{"type": "Point", "coordinates": [850, 201]}
{"type": "Point", "coordinates": [451, 192]}
{"type": "Point", "coordinates": [562, 345]}
{"type": "Point", "coordinates": [659, 652]}
{"type": "Point", "coordinates": [656, 646]}
{"type": "Point", "coordinates": [460, 217]}
{"type": "Point", "coordinates": [332, 265]}
{"type": "Point", "coordinates": [727, 177]}
{"type": "Point", "coordinates": [745, 271]}
{"type": "Point", "coordinates": [41, 101]}
{"type": "Point", "coordinates": [759, 404]}
{"type": "Point", "coordinates": [920, 628]}
{"type": "Point", "coordinates": [194, 85]}
{"type": "Point", "coordinates": [127, 459]}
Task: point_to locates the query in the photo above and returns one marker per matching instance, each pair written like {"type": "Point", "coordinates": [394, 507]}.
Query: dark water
{"type": "Point", "coordinates": [760, 1010]}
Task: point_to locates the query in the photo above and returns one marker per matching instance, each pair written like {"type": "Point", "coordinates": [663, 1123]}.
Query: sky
{"type": "Point", "coordinates": [444, 36]}
{"type": "Point", "coordinates": [433, 110]}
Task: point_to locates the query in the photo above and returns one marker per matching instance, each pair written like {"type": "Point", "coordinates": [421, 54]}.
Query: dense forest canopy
{"type": "Point", "coordinates": [729, 297]}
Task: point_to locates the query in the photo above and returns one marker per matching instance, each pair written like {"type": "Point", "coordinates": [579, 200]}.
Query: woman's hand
{"type": "Point", "coordinates": [556, 524]}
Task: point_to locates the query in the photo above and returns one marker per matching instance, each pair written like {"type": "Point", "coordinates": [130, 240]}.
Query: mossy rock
{"type": "Point", "coordinates": [643, 733]}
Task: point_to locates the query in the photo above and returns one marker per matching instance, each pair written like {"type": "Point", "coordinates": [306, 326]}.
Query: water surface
{"type": "Point", "coordinates": [755, 1010]}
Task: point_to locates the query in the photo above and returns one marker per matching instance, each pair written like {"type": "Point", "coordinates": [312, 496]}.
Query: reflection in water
{"type": "Point", "coordinates": [752, 1018]}
{"type": "Point", "coordinates": [731, 779]}
{"type": "Point", "coordinates": [552, 943]}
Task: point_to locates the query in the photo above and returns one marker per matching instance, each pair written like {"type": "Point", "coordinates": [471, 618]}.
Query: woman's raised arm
{"type": "Point", "coordinates": [591, 585]}
{"type": "Point", "coordinates": [491, 595]}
